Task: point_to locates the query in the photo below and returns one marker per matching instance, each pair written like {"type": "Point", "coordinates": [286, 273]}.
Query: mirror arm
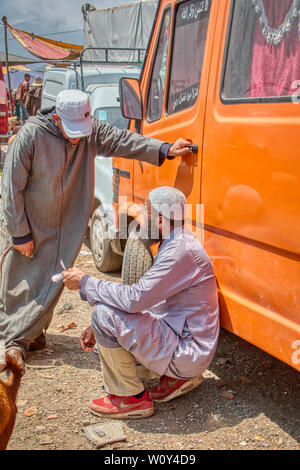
{"type": "Point", "coordinates": [138, 125]}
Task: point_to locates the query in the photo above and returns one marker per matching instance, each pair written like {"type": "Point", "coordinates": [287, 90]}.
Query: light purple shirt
{"type": "Point", "coordinates": [180, 292]}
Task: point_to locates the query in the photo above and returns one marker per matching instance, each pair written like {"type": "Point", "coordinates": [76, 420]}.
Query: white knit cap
{"type": "Point", "coordinates": [169, 202]}
{"type": "Point", "coordinates": [74, 109]}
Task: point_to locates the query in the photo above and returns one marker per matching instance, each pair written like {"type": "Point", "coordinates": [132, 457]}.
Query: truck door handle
{"type": "Point", "coordinates": [193, 148]}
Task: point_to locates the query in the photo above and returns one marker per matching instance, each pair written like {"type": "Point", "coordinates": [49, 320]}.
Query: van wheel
{"type": "Point", "coordinates": [105, 259]}
{"type": "Point", "coordinates": [137, 260]}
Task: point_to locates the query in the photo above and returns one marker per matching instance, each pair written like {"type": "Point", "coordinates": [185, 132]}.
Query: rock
{"type": "Point", "coordinates": [222, 360]}
{"type": "Point", "coordinates": [221, 383]}
{"type": "Point", "coordinates": [63, 308]}
{"type": "Point", "coordinates": [68, 307]}
{"type": "Point", "coordinates": [227, 394]}
{"type": "Point", "coordinates": [31, 411]}
{"type": "Point", "coordinates": [40, 428]}
{"type": "Point", "coordinates": [217, 417]}
{"type": "Point", "coordinates": [21, 403]}
{"type": "Point", "coordinates": [104, 433]}
{"type": "Point", "coordinates": [45, 440]}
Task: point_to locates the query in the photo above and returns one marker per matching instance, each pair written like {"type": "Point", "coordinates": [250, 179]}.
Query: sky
{"type": "Point", "coordinates": [51, 18]}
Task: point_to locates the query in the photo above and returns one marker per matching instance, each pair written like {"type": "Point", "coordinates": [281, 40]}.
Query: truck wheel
{"type": "Point", "coordinates": [137, 260]}
{"type": "Point", "coordinates": [105, 259]}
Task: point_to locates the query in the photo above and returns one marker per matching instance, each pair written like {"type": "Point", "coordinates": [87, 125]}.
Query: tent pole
{"type": "Point", "coordinates": [4, 19]}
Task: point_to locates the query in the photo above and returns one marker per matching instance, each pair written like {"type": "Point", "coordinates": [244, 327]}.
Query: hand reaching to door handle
{"type": "Point", "coordinates": [180, 148]}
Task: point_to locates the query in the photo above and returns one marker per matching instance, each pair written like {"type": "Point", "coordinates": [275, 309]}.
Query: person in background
{"type": "Point", "coordinates": [34, 97]}
{"type": "Point", "coordinates": [21, 94]}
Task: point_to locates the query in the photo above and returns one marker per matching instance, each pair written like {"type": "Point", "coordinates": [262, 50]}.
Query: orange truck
{"type": "Point", "coordinates": [225, 74]}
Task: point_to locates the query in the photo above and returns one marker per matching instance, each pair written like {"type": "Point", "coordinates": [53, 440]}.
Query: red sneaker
{"type": "Point", "coordinates": [113, 406]}
{"type": "Point", "coordinates": [169, 388]}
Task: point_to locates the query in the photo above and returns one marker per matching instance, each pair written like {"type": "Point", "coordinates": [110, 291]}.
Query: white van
{"type": "Point", "coordinates": [69, 78]}
{"type": "Point", "coordinates": [105, 105]}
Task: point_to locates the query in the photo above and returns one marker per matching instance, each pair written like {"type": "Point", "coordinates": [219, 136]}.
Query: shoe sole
{"type": "Point", "coordinates": [193, 383]}
{"type": "Point", "coordinates": [138, 414]}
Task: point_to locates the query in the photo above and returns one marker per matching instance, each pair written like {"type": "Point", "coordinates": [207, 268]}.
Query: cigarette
{"type": "Point", "coordinates": [62, 265]}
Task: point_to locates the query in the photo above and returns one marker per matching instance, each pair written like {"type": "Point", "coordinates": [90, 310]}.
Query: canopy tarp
{"type": "Point", "coordinates": [17, 67]}
{"type": "Point", "coordinates": [15, 59]}
{"type": "Point", "coordinates": [126, 26]}
{"type": "Point", "coordinates": [45, 48]}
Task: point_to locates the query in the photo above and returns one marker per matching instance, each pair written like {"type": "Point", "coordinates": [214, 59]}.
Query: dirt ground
{"type": "Point", "coordinates": [259, 410]}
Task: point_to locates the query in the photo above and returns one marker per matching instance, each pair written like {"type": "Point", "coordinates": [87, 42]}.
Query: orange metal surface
{"type": "Point", "coordinates": [250, 188]}
{"type": "Point", "coordinates": [246, 176]}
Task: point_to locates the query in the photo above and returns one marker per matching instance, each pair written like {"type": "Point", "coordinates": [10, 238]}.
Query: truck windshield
{"type": "Point", "coordinates": [112, 115]}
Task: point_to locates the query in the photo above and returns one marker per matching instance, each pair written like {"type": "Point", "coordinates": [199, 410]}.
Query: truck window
{"type": "Point", "coordinates": [112, 115]}
{"type": "Point", "coordinates": [263, 53]}
{"type": "Point", "coordinates": [158, 76]}
{"type": "Point", "coordinates": [189, 39]}
{"type": "Point", "coordinates": [52, 87]}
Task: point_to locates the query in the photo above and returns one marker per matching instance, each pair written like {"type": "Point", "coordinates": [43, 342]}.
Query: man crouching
{"type": "Point", "coordinates": [168, 321]}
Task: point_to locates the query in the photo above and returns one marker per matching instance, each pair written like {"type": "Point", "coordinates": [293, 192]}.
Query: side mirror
{"type": "Point", "coordinates": [131, 98]}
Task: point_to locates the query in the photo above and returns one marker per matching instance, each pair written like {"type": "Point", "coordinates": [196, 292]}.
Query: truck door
{"type": "Point", "coordinates": [251, 172]}
{"type": "Point", "coordinates": [174, 84]}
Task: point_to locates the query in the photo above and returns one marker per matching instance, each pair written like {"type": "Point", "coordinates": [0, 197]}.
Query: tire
{"type": "Point", "coordinates": [137, 260]}
{"type": "Point", "coordinates": [105, 259]}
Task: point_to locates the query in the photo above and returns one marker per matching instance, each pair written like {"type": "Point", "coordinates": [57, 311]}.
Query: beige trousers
{"type": "Point", "coordinates": [121, 375]}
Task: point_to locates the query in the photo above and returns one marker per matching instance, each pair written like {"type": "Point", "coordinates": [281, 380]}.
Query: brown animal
{"type": "Point", "coordinates": [8, 395]}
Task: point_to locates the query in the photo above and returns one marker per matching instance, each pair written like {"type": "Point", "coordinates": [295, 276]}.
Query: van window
{"type": "Point", "coordinates": [187, 54]}
{"type": "Point", "coordinates": [158, 76]}
{"type": "Point", "coordinates": [52, 87]}
{"type": "Point", "coordinates": [263, 59]}
{"type": "Point", "coordinates": [112, 115]}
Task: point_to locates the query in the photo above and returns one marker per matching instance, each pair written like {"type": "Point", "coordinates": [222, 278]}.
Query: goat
{"type": "Point", "coordinates": [8, 395]}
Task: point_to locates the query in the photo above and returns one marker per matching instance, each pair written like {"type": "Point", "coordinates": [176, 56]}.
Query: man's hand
{"type": "Point", "coordinates": [87, 339]}
{"type": "Point", "coordinates": [72, 278]}
{"type": "Point", "coordinates": [26, 249]}
{"type": "Point", "coordinates": [179, 148]}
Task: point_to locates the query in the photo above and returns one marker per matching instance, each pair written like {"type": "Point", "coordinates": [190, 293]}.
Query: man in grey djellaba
{"type": "Point", "coordinates": [47, 198]}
